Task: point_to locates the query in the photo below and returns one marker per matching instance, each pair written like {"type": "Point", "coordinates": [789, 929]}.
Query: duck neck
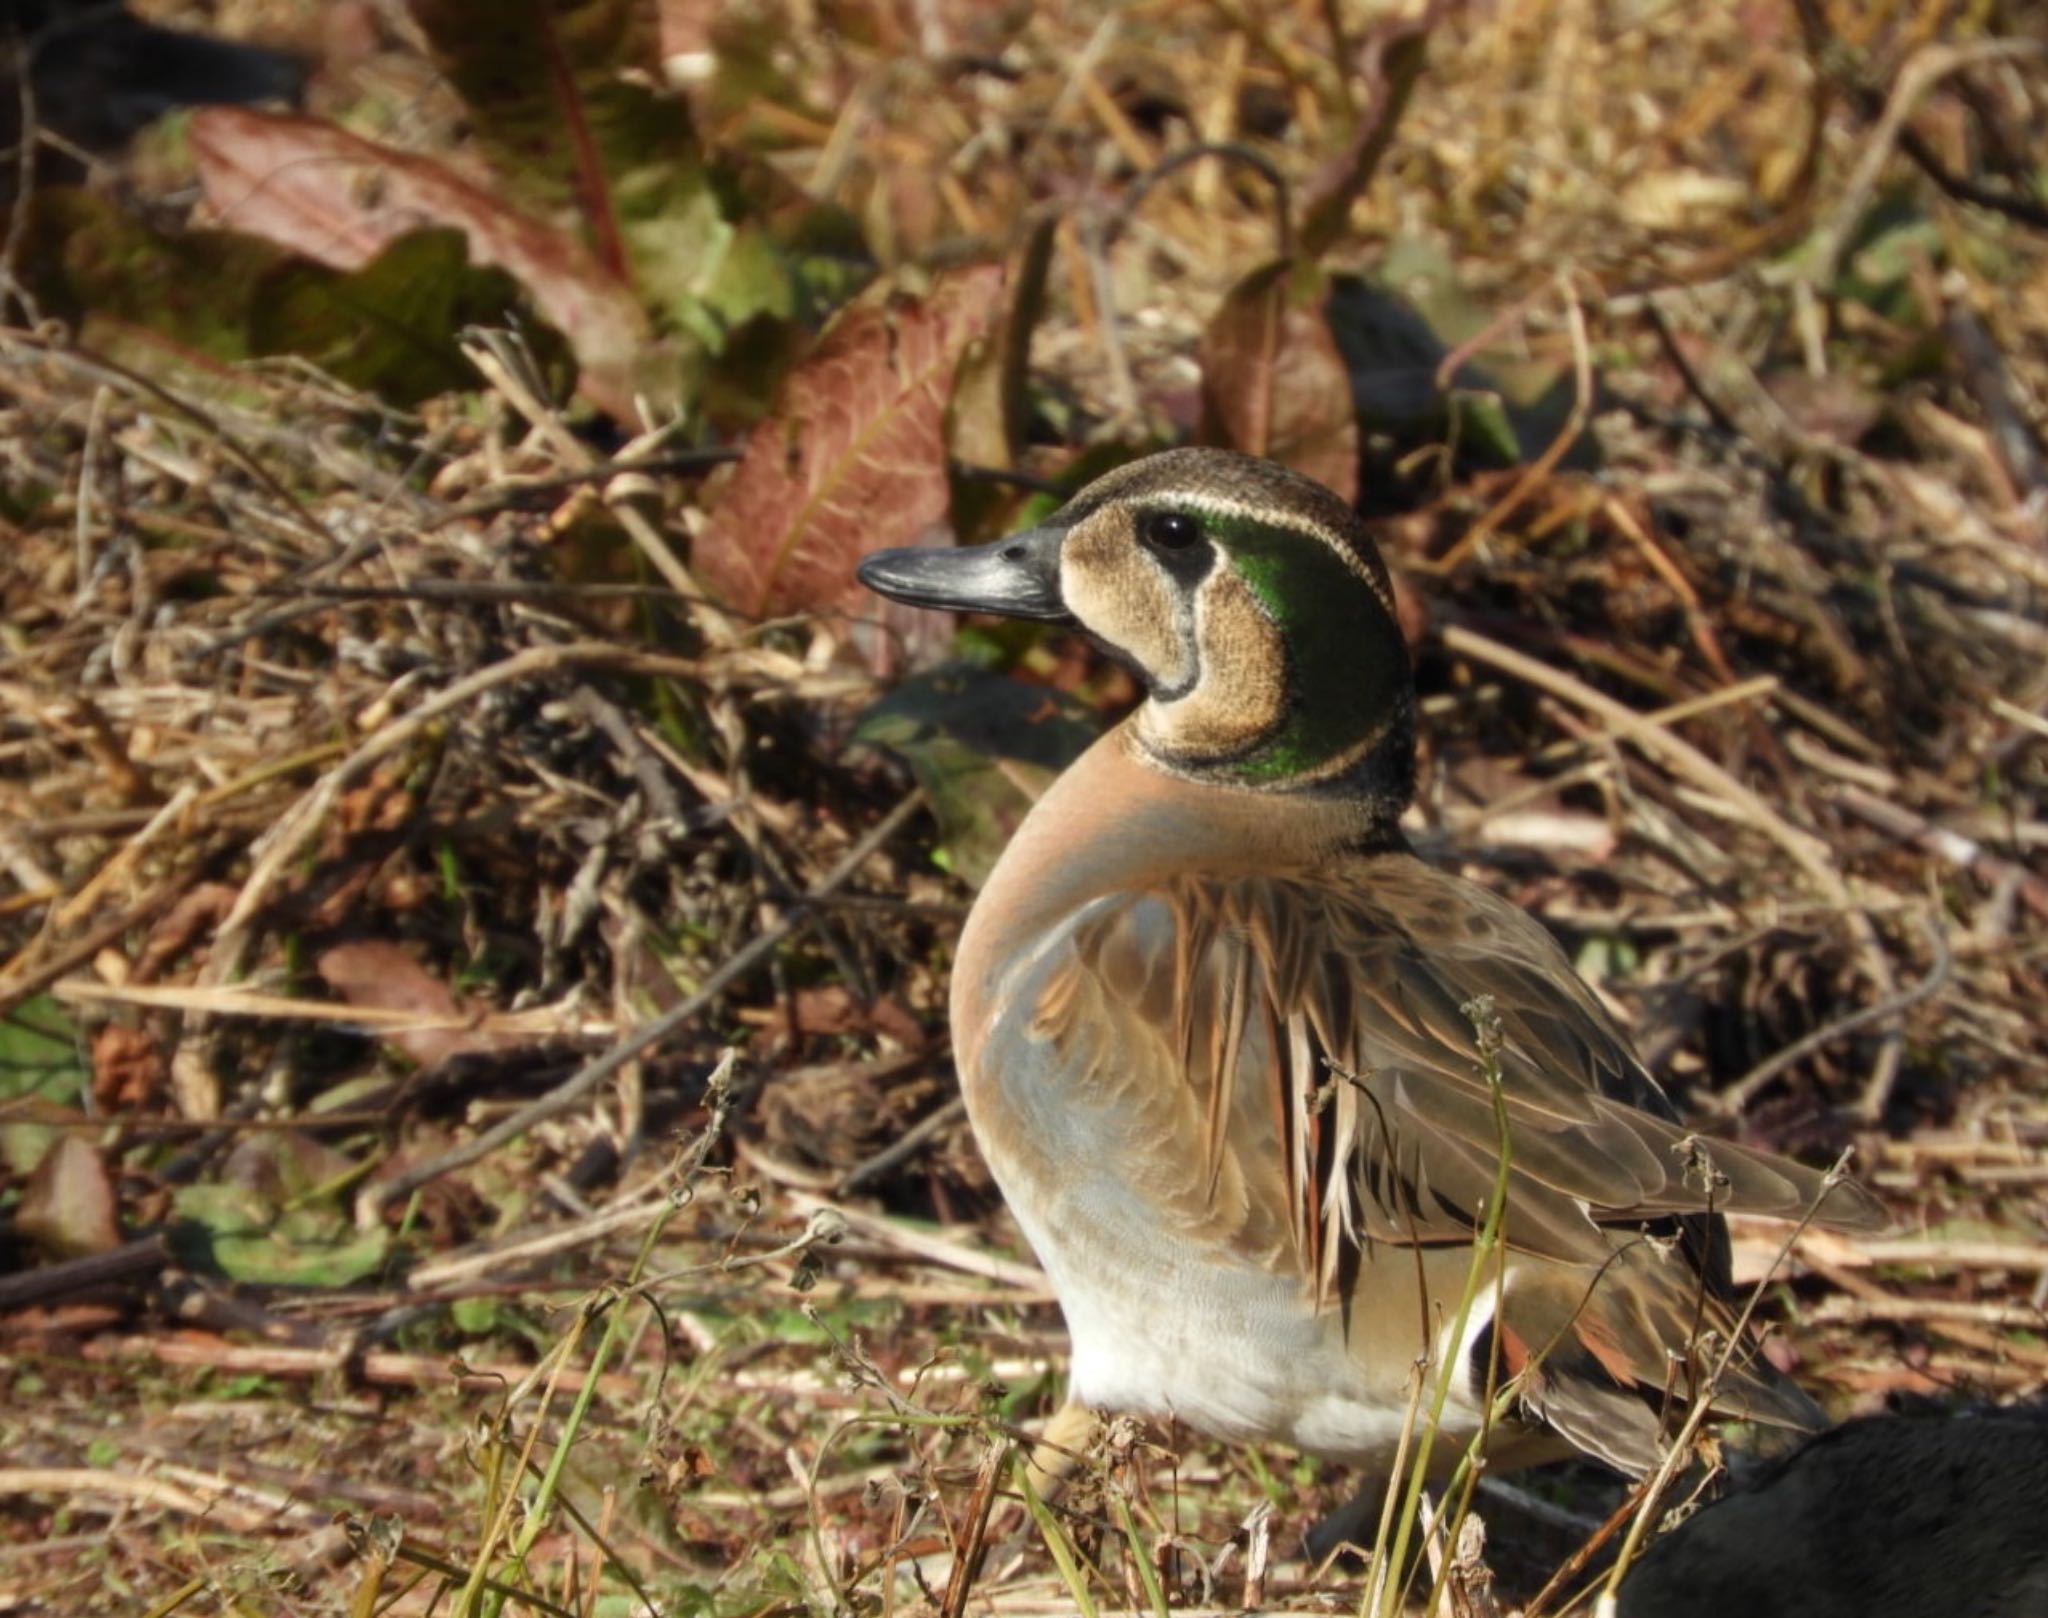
{"type": "Point", "coordinates": [1300, 680]}
{"type": "Point", "coordinates": [1120, 818]}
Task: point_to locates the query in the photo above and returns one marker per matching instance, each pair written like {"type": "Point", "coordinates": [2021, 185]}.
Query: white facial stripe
{"type": "Point", "coordinates": [1223, 506]}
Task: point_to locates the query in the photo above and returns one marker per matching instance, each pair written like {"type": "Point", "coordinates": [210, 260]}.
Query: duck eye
{"type": "Point", "coordinates": [1168, 530]}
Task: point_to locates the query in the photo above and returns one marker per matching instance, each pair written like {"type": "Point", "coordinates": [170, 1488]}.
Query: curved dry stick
{"type": "Point", "coordinates": [1924, 69]}
{"type": "Point", "coordinates": [376, 1198]}
{"type": "Point", "coordinates": [1804, 849]}
{"type": "Point", "coordinates": [1227, 150]}
{"type": "Point", "coordinates": [1733, 1096]}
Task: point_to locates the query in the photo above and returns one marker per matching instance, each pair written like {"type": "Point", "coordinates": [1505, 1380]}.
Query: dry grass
{"type": "Point", "coordinates": [1751, 714]}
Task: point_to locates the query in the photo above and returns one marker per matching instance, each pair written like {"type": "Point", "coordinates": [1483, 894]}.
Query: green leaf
{"type": "Point", "coordinates": [124, 284]}
{"type": "Point", "coordinates": [390, 327]}
{"type": "Point", "coordinates": [41, 1053]}
{"type": "Point", "coordinates": [476, 1317]}
{"type": "Point", "coordinates": [569, 109]}
{"type": "Point", "coordinates": [984, 746]}
{"type": "Point", "coordinates": [236, 1230]}
{"type": "Point", "coordinates": [568, 133]}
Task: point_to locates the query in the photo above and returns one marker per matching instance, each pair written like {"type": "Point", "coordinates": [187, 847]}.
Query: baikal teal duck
{"type": "Point", "coordinates": [1231, 1049]}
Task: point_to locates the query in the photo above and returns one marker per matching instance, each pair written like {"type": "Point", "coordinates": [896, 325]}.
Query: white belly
{"type": "Point", "coordinates": [1218, 1343]}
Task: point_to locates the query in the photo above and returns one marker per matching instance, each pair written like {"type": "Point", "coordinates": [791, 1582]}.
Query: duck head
{"type": "Point", "coordinates": [1248, 599]}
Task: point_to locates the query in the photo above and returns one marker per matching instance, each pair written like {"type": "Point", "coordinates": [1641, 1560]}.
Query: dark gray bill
{"type": "Point", "coordinates": [1018, 577]}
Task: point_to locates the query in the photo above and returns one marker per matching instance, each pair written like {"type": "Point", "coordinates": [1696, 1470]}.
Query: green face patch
{"type": "Point", "coordinates": [1346, 661]}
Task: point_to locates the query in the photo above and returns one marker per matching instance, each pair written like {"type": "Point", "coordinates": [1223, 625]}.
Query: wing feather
{"type": "Point", "coordinates": [1324, 1041]}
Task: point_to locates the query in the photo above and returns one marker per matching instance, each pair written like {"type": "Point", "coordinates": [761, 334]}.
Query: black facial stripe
{"type": "Point", "coordinates": [1187, 568]}
{"type": "Point", "coordinates": [1188, 565]}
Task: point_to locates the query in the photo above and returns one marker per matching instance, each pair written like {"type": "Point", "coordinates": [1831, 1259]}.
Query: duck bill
{"type": "Point", "coordinates": [1018, 577]}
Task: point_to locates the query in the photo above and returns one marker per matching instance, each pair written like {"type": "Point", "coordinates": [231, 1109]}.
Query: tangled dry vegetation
{"type": "Point", "coordinates": [478, 1127]}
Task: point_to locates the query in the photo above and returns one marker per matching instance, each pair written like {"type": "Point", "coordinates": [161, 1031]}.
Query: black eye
{"type": "Point", "coordinates": [1168, 530]}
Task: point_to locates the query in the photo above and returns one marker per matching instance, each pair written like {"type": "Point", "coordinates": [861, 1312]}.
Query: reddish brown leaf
{"type": "Point", "coordinates": [854, 457]}
{"type": "Point", "coordinates": [340, 200]}
{"type": "Point", "coordinates": [67, 1207]}
{"type": "Point", "coordinates": [130, 1069]}
{"type": "Point", "coordinates": [201, 910]}
{"type": "Point", "coordinates": [378, 974]}
{"type": "Point", "coordinates": [1273, 380]}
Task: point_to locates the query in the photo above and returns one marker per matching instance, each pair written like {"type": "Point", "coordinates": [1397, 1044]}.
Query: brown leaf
{"type": "Point", "coordinates": [375, 973]}
{"type": "Point", "coordinates": [985, 425]}
{"type": "Point", "coordinates": [67, 1207]}
{"type": "Point", "coordinates": [1273, 380]}
{"type": "Point", "coordinates": [833, 1010]}
{"type": "Point", "coordinates": [204, 908]}
{"type": "Point", "coordinates": [130, 1070]}
{"type": "Point", "coordinates": [340, 200]}
{"type": "Point", "coordinates": [854, 457]}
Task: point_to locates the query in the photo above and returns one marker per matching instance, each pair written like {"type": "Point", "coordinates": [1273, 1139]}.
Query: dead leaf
{"type": "Point", "coordinates": [130, 1070]}
{"type": "Point", "coordinates": [67, 1208]}
{"type": "Point", "coordinates": [204, 908]}
{"type": "Point", "coordinates": [985, 426]}
{"type": "Point", "coordinates": [832, 1009]}
{"type": "Point", "coordinates": [1273, 380]}
{"type": "Point", "coordinates": [854, 457]}
{"type": "Point", "coordinates": [341, 200]}
{"type": "Point", "coordinates": [373, 972]}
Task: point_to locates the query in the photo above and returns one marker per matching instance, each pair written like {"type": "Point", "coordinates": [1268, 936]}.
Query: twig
{"type": "Point", "coordinates": [1870, 102]}
{"type": "Point", "coordinates": [1224, 150]}
{"type": "Point", "coordinates": [374, 1199]}
{"type": "Point", "coordinates": [1924, 69]}
{"type": "Point", "coordinates": [1733, 1097]}
{"type": "Point", "coordinates": [922, 1243]}
{"type": "Point", "coordinates": [1390, 61]}
{"type": "Point", "coordinates": [905, 1145]}
{"type": "Point", "coordinates": [1843, 1309]}
{"type": "Point", "coordinates": [1806, 851]}
{"type": "Point", "coordinates": [1095, 253]}
{"type": "Point", "coordinates": [645, 536]}
{"type": "Point", "coordinates": [1951, 847]}
{"type": "Point", "coordinates": [279, 847]}
{"type": "Point", "coordinates": [1538, 471]}
{"type": "Point", "coordinates": [96, 365]}
{"type": "Point", "coordinates": [144, 1256]}
{"type": "Point", "coordinates": [72, 1482]}
{"type": "Point", "coordinates": [80, 904]}
{"type": "Point", "coordinates": [1990, 384]}
{"type": "Point", "coordinates": [19, 979]}
{"type": "Point", "coordinates": [509, 493]}
{"type": "Point", "coordinates": [1841, 1251]}
{"type": "Point", "coordinates": [1688, 373]}
{"type": "Point", "coordinates": [531, 1023]}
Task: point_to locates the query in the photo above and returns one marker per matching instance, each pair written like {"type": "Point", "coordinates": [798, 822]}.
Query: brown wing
{"type": "Point", "coordinates": [1323, 1045]}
